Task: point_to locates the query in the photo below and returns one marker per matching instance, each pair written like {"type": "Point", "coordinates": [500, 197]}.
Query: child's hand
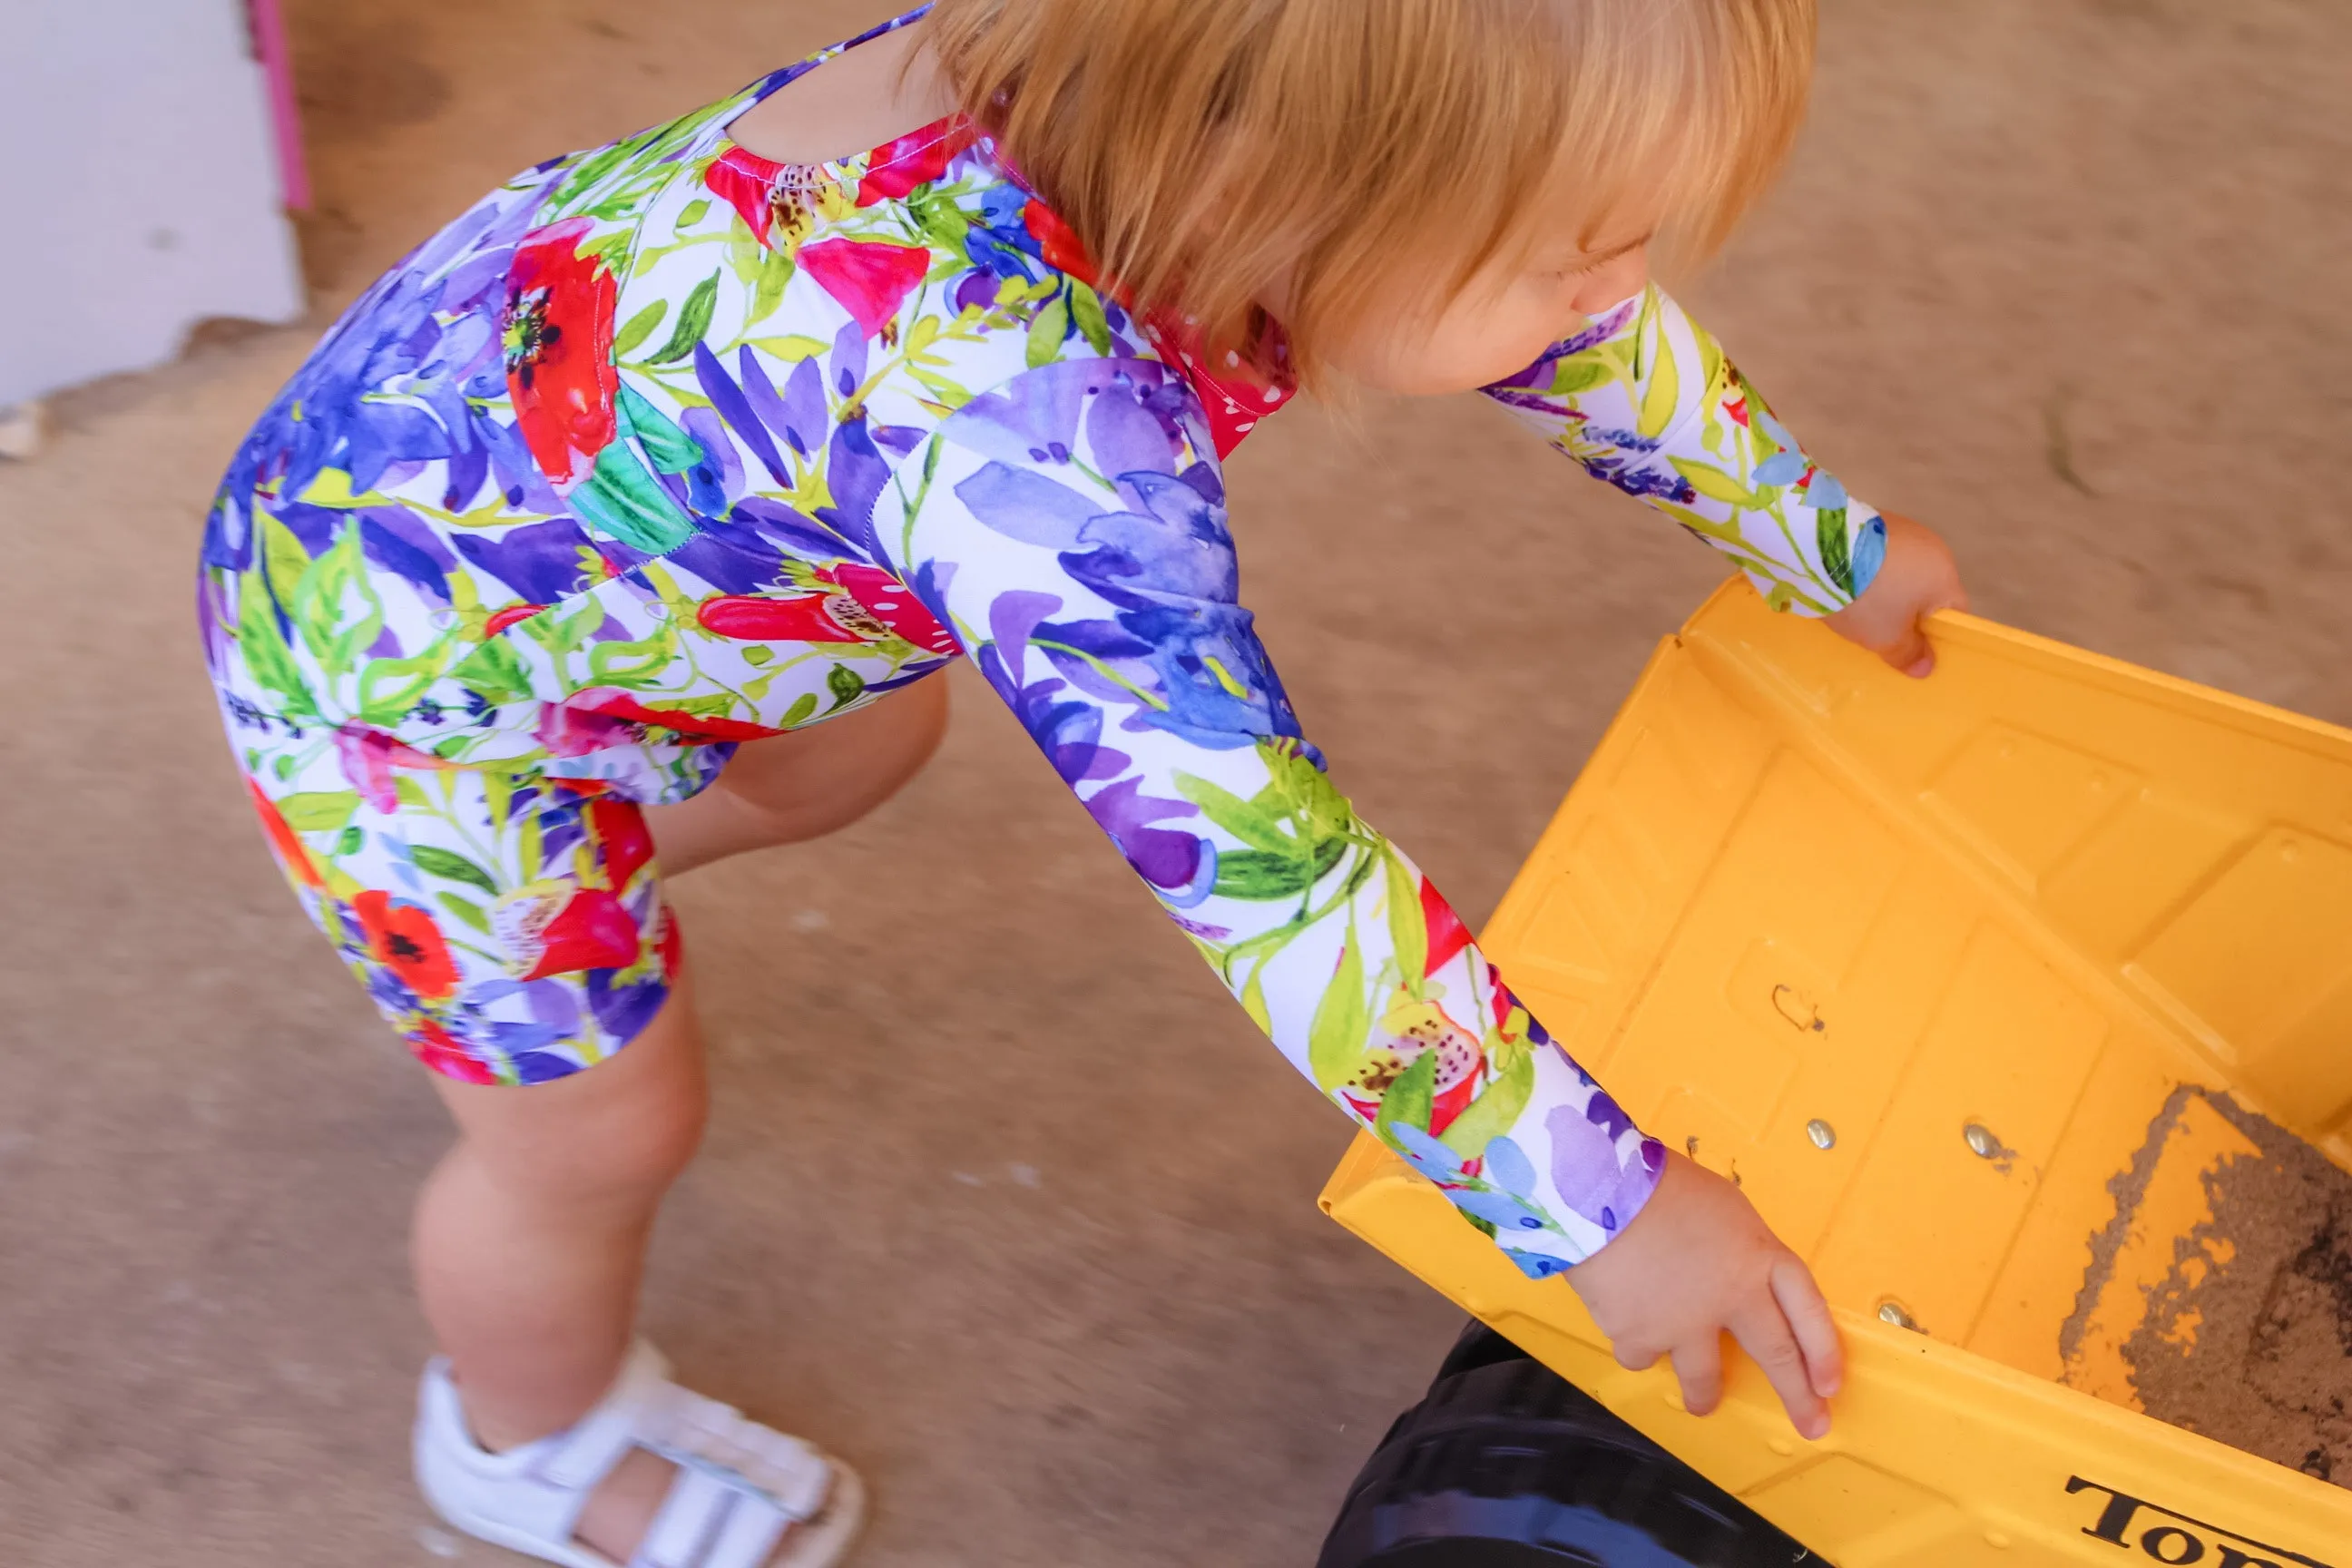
{"type": "Point", "coordinates": [1917, 577]}
{"type": "Point", "coordinates": [1699, 1259]}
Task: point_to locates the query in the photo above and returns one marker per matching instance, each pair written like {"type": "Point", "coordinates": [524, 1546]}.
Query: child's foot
{"type": "Point", "coordinates": [655, 1477]}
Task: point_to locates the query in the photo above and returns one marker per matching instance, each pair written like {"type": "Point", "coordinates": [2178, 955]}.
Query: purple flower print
{"type": "Point", "coordinates": [1035, 419]}
{"type": "Point", "coordinates": [1586, 1170]}
{"type": "Point", "coordinates": [393, 539]}
{"type": "Point", "coordinates": [1181, 867]}
{"type": "Point", "coordinates": [540, 561]}
{"type": "Point", "coordinates": [856, 473]}
{"type": "Point", "coordinates": [1600, 330]}
{"type": "Point", "coordinates": [735, 406]}
{"type": "Point", "coordinates": [1000, 244]}
{"type": "Point", "coordinates": [1022, 504]}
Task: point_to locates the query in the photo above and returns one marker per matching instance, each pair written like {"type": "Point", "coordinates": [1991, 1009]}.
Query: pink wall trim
{"type": "Point", "coordinates": [285, 112]}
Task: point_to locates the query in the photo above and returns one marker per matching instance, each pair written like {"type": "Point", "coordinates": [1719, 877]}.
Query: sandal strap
{"type": "Point", "coordinates": [709, 1521]}
{"type": "Point", "coordinates": [586, 1454]}
{"type": "Point", "coordinates": [700, 1435]}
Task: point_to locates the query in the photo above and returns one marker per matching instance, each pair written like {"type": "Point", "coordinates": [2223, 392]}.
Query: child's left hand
{"type": "Point", "coordinates": [1917, 578]}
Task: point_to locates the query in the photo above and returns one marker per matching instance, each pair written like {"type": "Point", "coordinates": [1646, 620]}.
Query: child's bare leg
{"type": "Point", "coordinates": [531, 1235]}
{"type": "Point", "coordinates": [530, 1238]}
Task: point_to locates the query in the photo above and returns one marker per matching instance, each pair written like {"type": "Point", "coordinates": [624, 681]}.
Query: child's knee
{"type": "Point", "coordinates": [617, 1132]}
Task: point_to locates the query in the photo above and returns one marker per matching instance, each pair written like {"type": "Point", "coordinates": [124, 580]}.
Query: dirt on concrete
{"type": "Point", "coordinates": [1026, 1227]}
{"type": "Point", "coordinates": [2249, 1339]}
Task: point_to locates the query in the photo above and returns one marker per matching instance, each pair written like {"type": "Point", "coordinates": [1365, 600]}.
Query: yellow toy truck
{"type": "Point", "coordinates": [1985, 989]}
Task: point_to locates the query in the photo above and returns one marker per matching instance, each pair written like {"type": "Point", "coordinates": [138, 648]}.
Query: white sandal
{"type": "Point", "coordinates": [741, 1488]}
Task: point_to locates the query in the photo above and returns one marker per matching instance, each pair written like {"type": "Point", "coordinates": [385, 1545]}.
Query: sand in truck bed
{"type": "Point", "coordinates": [2247, 1338]}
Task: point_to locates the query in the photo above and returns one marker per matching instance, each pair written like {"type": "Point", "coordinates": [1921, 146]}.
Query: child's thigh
{"type": "Point", "coordinates": [510, 926]}
{"type": "Point", "coordinates": [828, 775]}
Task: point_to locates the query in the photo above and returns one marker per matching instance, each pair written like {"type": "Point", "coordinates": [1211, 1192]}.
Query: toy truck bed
{"type": "Point", "coordinates": [1947, 973]}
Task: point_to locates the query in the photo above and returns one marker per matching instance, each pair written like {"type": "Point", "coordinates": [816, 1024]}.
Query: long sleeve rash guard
{"type": "Point", "coordinates": [665, 447]}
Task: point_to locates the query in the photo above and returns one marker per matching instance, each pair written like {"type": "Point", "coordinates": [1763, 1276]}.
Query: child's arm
{"type": "Point", "coordinates": [1070, 528]}
{"type": "Point", "coordinates": [1646, 400]}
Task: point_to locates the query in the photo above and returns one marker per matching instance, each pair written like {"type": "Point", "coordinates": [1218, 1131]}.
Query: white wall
{"type": "Point", "coordinates": [139, 189]}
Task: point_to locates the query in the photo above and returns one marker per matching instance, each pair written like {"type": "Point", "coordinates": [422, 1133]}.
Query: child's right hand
{"type": "Point", "coordinates": [1699, 1259]}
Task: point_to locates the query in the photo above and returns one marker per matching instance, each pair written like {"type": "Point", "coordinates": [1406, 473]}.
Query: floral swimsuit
{"type": "Point", "coordinates": [664, 447]}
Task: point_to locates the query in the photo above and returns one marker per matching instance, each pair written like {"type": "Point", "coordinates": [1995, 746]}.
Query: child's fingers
{"type": "Point", "coordinates": [1809, 1319]}
{"type": "Point", "coordinates": [1910, 652]}
{"type": "Point", "coordinates": [1764, 1333]}
{"type": "Point", "coordinates": [1699, 1365]}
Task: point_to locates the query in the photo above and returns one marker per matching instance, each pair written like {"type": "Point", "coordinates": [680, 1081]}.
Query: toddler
{"type": "Point", "coordinates": [617, 529]}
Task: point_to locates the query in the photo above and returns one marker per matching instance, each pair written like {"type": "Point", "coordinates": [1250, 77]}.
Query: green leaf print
{"type": "Point", "coordinates": [693, 321]}
{"type": "Point", "coordinates": [638, 328]}
{"type": "Point", "coordinates": [1581, 373]}
{"type": "Point", "coordinates": [353, 841]}
{"type": "Point", "coordinates": [1837, 556]}
{"type": "Point", "coordinates": [942, 223]}
{"type": "Point", "coordinates": [776, 271]}
{"type": "Point", "coordinates": [1407, 927]}
{"type": "Point", "coordinates": [693, 213]}
{"type": "Point", "coordinates": [1490, 1115]}
{"type": "Point", "coordinates": [319, 811]}
{"type": "Point", "coordinates": [1410, 1099]}
{"type": "Point", "coordinates": [335, 605]}
{"type": "Point", "coordinates": [267, 657]}
{"type": "Point", "coordinates": [1716, 484]}
{"type": "Point", "coordinates": [494, 671]}
{"type": "Point", "coordinates": [845, 684]}
{"type": "Point", "coordinates": [1087, 309]}
{"type": "Point", "coordinates": [452, 867]}
{"type": "Point", "coordinates": [1046, 331]}
{"type": "Point", "coordinates": [667, 444]}
{"type": "Point", "coordinates": [1335, 1038]}
{"type": "Point", "coordinates": [466, 911]}
{"type": "Point", "coordinates": [1262, 874]}
{"type": "Point", "coordinates": [1256, 823]}
{"type": "Point", "coordinates": [636, 666]}
{"type": "Point", "coordinates": [1664, 390]}
{"type": "Point", "coordinates": [390, 687]}
{"type": "Point", "coordinates": [628, 504]}
{"type": "Point", "coordinates": [798, 713]}
{"type": "Point", "coordinates": [282, 556]}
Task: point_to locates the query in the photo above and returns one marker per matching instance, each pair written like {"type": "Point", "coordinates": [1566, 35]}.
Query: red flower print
{"type": "Point", "coordinates": [867, 605]}
{"type": "Point", "coordinates": [592, 930]}
{"type": "Point", "coordinates": [620, 827]}
{"type": "Point", "coordinates": [870, 279]}
{"type": "Point", "coordinates": [746, 181]}
{"type": "Point", "coordinates": [751, 618]}
{"type": "Point", "coordinates": [1447, 935]}
{"type": "Point", "coordinates": [606, 703]}
{"type": "Point", "coordinates": [292, 853]}
{"type": "Point", "coordinates": [510, 616]}
{"type": "Point", "coordinates": [558, 348]}
{"type": "Point", "coordinates": [897, 168]}
{"type": "Point", "coordinates": [1063, 251]}
{"type": "Point", "coordinates": [404, 937]}
{"type": "Point", "coordinates": [431, 1045]}
{"type": "Point", "coordinates": [893, 604]}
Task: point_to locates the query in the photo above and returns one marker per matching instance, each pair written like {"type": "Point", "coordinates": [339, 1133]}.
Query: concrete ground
{"type": "Point", "coordinates": [1023, 1221]}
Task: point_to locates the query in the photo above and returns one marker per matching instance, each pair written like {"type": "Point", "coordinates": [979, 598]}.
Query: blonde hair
{"type": "Point", "coordinates": [1208, 152]}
